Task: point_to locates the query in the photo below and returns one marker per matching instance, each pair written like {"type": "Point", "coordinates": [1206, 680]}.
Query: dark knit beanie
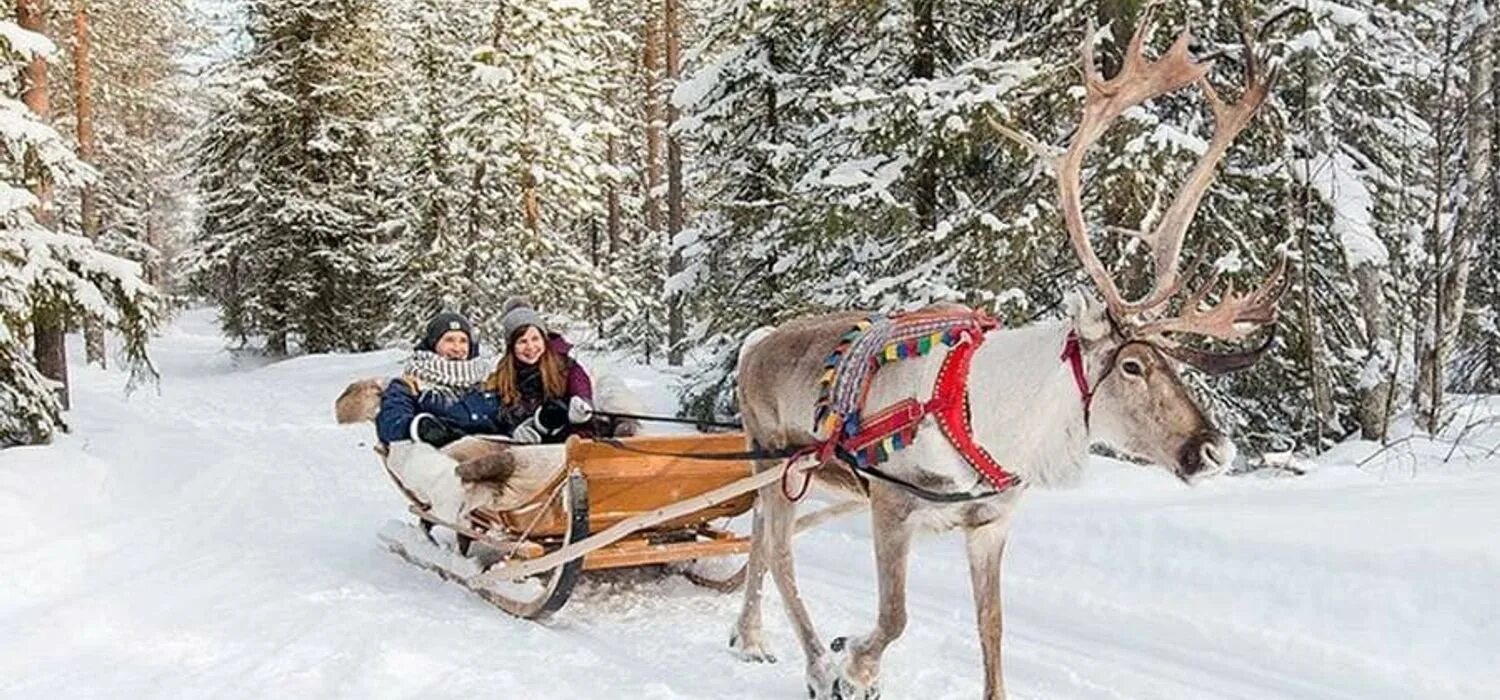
{"type": "Point", "coordinates": [443, 323]}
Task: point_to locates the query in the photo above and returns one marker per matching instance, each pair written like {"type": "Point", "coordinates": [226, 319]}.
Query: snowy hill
{"type": "Point", "coordinates": [218, 540]}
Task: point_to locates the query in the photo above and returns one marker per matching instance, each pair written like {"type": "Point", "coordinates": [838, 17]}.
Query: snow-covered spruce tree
{"type": "Point", "coordinates": [435, 229]}
{"type": "Point", "coordinates": [122, 56]}
{"type": "Point", "coordinates": [875, 186]}
{"type": "Point", "coordinates": [142, 108]}
{"type": "Point", "coordinates": [627, 243]}
{"type": "Point", "coordinates": [845, 161]}
{"type": "Point", "coordinates": [1263, 202]}
{"type": "Point", "coordinates": [47, 272]}
{"type": "Point", "coordinates": [533, 133]}
{"type": "Point", "coordinates": [1329, 169]}
{"type": "Point", "coordinates": [740, 97]}
{"type": "Point", "coordinates": [295, 138]}
{"type": "Point", "coordinates": [222, 259]}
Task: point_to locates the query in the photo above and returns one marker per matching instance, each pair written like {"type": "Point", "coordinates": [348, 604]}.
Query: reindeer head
{"type": "Point", "coordinates": [1132, 352]}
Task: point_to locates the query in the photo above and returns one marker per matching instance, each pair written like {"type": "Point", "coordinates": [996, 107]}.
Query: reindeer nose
{"type": "Point", "coordinates": [1208, 453]}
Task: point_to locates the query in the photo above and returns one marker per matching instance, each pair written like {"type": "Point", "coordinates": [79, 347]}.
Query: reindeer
{"type": "Point", "coordinates": [1027, 407]}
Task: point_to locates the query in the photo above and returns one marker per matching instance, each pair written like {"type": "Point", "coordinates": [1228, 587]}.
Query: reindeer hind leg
{"type": "Point", "coordinates": [747, 639]}
{"type": "Point", "coordinates": [780, 514]}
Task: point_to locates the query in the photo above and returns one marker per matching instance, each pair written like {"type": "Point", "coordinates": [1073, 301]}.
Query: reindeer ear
{"type": "Point", "coordinates": [1088, 314]}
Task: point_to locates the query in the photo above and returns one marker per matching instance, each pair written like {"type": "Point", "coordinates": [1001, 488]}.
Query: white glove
{"type": "Point", "coordinates": [579, 410]}
{"type": "Point", "coordinates": [526, 433]}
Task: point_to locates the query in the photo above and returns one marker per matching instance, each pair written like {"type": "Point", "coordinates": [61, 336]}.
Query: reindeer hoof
{"type": "Point", "coordinates": [821, 681]}
{"type": "Point", "coordinates": [845, 687]}
{"type": "Point", "coordinates": [753, 652]}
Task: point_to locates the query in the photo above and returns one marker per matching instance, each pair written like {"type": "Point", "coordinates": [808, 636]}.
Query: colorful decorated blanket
{"type": "Point", "coordinates": [840, 412]}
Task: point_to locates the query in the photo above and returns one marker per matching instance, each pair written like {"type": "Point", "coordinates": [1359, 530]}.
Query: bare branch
{"type": "Point", "coordinates": [1041, 151]}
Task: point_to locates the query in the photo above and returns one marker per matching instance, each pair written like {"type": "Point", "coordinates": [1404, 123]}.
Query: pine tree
{"type": "Point", "coordinates": [879, 184]}
{"type": "Point", "coordinates": [295, 140]}
{"type": "Point", "coordinates": [535, 133]}
{"type": "Point", "coordinates": [630, 244]}
{"type": "Point", "coordinates": [142, 104]}
{"type": "Point", "coordinates": [845, 162]}
{"type": "Point", "coordinates": [435, 229]}
{"type": "Point", "coordinates": [43, 272]}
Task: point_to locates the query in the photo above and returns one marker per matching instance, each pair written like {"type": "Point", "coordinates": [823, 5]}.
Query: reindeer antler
{"type": "Point", "coordinates": [1234, 317]}
{"type": "Point", "coordinates": [1140, 80]}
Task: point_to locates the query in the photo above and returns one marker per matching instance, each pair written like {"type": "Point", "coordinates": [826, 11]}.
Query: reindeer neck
{"type": "Point", "coordinates": [1025, 406]}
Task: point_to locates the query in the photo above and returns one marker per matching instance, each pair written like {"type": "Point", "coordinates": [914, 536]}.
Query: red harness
{"type": "Point", "coordinates": [949, 406]}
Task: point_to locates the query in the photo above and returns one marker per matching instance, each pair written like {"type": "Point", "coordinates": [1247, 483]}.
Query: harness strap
{"type": "Point", "coordinates": [918, 491]}
{"type": "Point", "coordinates": [707, 456]}
{"type": "Point", "coordinates": [950, 405]}
{"type": "Point", "coordinates": [1073, 353]}
{"type": "Point", "coordinates": [894, 419]}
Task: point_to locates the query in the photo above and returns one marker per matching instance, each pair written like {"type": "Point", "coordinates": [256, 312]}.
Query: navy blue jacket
{"type": "Point", "coordinates": [473, 412]}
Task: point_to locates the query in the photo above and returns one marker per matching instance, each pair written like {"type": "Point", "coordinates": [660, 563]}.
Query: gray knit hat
{"type": "Point", "coordinates": [517, 314]}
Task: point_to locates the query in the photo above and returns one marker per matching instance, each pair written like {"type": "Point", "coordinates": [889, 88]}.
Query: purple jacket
{"type": "Point", "coordinates": [579, 383]}
{"type": "Point", "coordinates": [529, 382]}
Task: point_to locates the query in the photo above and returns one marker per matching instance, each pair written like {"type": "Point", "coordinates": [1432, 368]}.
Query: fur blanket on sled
{"type": "Point", "coordinates": [490, 473]}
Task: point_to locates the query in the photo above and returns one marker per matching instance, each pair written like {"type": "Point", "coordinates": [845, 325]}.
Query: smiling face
{"type": "Point", "coordinates": [1142, 407]}
{"type": "Point", "coordinates": [453, 345]}
{"type": "Point", "coordinates": [529, 345]}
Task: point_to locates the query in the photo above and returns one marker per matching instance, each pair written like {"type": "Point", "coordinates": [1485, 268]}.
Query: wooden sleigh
{"type": "Point", "coordinates": [603, 486]}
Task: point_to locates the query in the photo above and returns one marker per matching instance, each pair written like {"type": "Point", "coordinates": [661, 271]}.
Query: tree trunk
{"type": "Point", "coordinates": [1374, 404]}
{"type": "Point", "coordinates": [156, 266]}
{"type": "Point", "coordinates": [1322, 393]}
{"type": "Point", "coordinates": [83, 85]}
{"type": "Point", "coordinates": [1316, 350]}
{"type": "Point", "coordinates": [924, 67]}
{"type": "Point", "coordinates": [676, 327]}
{"type": "Point", "coordinates": [651, 69]}
{"type": "Point", "coordinates": [48, 347]}
{"type": "Point", "coordinates": [1452, 255]}
{"type": "Point", "coordinates": [613, 223]}
{"type": "Point", "coordinates": [473, 233]}
{"type": "Point", "coordinates": [531, 201]}
{"type": "Point", "coordinates": [1471, 218]}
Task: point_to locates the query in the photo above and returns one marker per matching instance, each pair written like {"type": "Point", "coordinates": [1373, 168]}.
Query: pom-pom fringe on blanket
{"type": "Point", "coordinates": [881, 340]}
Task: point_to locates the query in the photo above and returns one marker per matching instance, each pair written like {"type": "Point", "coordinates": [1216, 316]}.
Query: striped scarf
{"type": "Point", "coordinates": [451, 377]}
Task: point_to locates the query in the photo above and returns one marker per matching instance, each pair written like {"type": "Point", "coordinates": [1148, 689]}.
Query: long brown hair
{"type": "Point", "coordinates": [504, 380]}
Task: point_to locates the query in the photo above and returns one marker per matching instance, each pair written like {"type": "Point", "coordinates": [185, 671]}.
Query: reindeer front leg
{"type": "Point", "coordinates": [859, 672]}
{"type": "Point", "coordinates": [986, 545]}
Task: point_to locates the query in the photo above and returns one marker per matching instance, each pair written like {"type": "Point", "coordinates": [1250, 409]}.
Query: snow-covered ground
{"type": "Point", "coordinates": [217, 539]}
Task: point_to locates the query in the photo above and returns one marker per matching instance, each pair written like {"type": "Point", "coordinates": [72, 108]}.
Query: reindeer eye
{"type": "Point", "coordinates": [1132, 367]}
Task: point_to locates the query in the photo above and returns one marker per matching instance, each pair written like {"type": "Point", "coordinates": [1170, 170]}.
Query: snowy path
{"type": "Point", "coordinates": [217, 540]}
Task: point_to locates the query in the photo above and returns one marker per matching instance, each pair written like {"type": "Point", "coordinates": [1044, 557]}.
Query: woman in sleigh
{"type": "Point", "coordinates": [450, 425]}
